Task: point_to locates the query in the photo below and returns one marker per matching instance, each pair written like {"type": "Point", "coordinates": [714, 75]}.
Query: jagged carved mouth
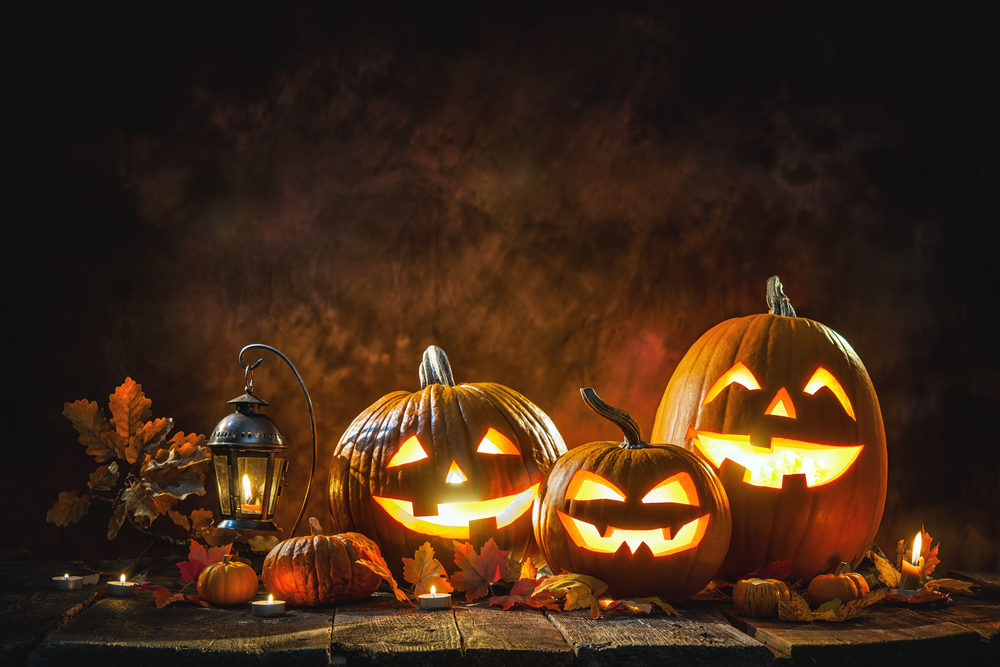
{"type": "Point", "coordinates": [452, 519]}
{"type": "Point", "coordinates": [658, 540]}
{"type": "Point", "coordinates": [767, 466]}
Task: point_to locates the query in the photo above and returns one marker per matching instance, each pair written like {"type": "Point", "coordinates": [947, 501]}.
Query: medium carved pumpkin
{"type": "Point", "coordinates": [645, 519]}
{"type": "Point", "coordinates": [759, 597]}
{"type": "Point", "coordinates": [784, 409]}
{"type": "Point", "coordinates": [320, 569]}
{"type": "Point", "coordinates": [842, 584]}
{"type": "Point", "coordinates": [448, 462]}
{"type": "Point", "coordinates": [227, 582]}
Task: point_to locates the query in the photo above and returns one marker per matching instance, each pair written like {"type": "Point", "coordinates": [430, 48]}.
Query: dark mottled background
{"type": "Point", "coordinates": [559, 196]}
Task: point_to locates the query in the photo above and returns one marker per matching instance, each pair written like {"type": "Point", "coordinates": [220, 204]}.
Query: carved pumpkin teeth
{"type": "Point", "coordinates": [657, 540]}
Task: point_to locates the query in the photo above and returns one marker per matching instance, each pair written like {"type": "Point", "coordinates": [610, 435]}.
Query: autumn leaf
{"type": "Point", "coordinates": [528, 569]}
{"type": "Point", "coordinates": [263, 542]}
{"type": "Point", "coordinates": [164, 596]}
{"type": "Point", "coordinates": [715, 590]}
{"type": "Point", "coordinates": [178, 467]}
{"type": "Point", "coordinates": [104, 477]}
{"type": "Point", "coordinates": [199, 558]}
{"type": "Point", "coordinates": [117, 520]}
{"type": "Point", "coordinates": [130, 409]}
{"type": "Point", "coordinates": [779, 569]}
{"type": "Point", "coordinates": [578, 590]}
{"type": "Point", "coordinates": [181, 520]}
{"type": "Point", "coordinates": [70, 507]}
{"type": "Point", "coordinates": [884, 570]}
{"type": "Point", "coordinates": [795, 609]}
{"type": "Point", "coordinates": [949, 585]}
{"type": "Point", "coordinates": [646, 604]}
{"type": "Point", "coordinates": [477, 570]}
{"type": "Point", "coordinates": [137, 500]}
{"type": "Point", "coordinates": [424, 571]}
{"type": "Point", "coordinates": [202, 521]}
{"type": "Point", "coordinates": [95, 433]}
{"type": "Point", "coordinates": [929, 555]}
{"type": "Point", "coordinates": [153, 432]}
{"type": "Point", "coordinates": [374, 562]}
{"type": "Point", "coordinates": [520, 593]}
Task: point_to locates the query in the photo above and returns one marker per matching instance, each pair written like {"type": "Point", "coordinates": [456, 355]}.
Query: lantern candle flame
{"type": "Point", "coordinates": [247, 505]}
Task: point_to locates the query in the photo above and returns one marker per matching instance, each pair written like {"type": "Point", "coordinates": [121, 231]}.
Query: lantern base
{"type": "Point", "coordinates": [247, 524]}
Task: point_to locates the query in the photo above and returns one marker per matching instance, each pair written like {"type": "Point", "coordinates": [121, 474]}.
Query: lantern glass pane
{"type": "Point", "coordinates": [252, 478]}
{"type": "Point", "coordinates": [222, 479]}
{"type": "Point", "coordinates": [279, 473]}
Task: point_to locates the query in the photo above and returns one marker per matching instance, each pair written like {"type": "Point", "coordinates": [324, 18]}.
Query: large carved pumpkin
{"type": "Point", "coordinates": [448, 462]}
{"type": "Point", "coordinates": [645, 519]}
{"type": "Point", "coordinates": [784, 409]}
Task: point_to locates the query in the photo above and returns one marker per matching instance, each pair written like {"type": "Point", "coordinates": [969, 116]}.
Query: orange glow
{"type": "Point", "coordinates": [586, 485]}
{"type": "Point", "coordinates": [781, 405]}
{"type": "Point", "coordinates": [585, 536]}
{"type": "Point", "coordinates": [738, 374]}
{"type": "Point", "coordinates": [408, 452]}
{"type": "Point", "coordinates": [452, 519]}
{"type": "Point", "coordinates": [455, 474]}
{"type": "Point", "coordinates": [495, 442]}
{"type": "Point", "coordinates": [677, 488]}
{"type": "Point", "coordinates": [767, 466]}
{"type": "Point", "coordinates": [824, 378]}
{"type": "Point", "coordinates": [915, 559]}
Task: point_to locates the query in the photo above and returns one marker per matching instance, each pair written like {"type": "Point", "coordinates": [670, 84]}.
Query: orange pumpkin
{"type": "Point", "coordinates": [227, 582]}
{"type": "Point", "coordinates": [320, 569]}
{"type": "Point", "coordinates": [784, 410]}
{"type": "Point", "coordinates": [645, 519]}
{"type": "Point", "coordinates": [759, 597]}
{"type": "Point", "coordinates": [841, 584]}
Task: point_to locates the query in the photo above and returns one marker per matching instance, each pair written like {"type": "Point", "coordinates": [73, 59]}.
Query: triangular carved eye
{"type": "Point", "coordinates": [824, 378]}
{"type": "Point", "coordinates": [738, 374]}
{"type": "Point", "coordinates": [781, 405]}
{"type": "Point", "coordinates": [677, 488]}
{"type": "Point", "coordinates": [586, 485]}
{"type": "Point", "coordinates": [408, 452]}
{"type": "Point", "coordinates": [495, 442]}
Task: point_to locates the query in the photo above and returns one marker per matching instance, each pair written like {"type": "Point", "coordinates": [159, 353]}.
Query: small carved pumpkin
{"type": "Point", "coordinates": [842, 584]}
{"type": "Point", "coordinates": [759, 597]}
{"type": "Point", "coordinates": [645, 519]}
{"type": "Point", "coordinates": [227, 582]}
{"type": "Point", "coordinates": [320, 569]}
{"type": "Point", "coordinates": [448, 462]}
{"type": "Point", "coordinates": [784, 410]}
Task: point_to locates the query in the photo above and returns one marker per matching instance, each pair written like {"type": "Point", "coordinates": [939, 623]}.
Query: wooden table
{"type": "Point", "coordinates": [40, 626]}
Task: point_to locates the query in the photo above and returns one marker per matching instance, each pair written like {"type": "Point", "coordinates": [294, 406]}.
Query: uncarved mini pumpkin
{"type": "Point", "coordinates": [320, 569]}
{"type": "Point", "coordinates": [841, 584]}
{"type": "Point", "coordinates": [227, 582]}
{"type": "Point", "coordinates": [759, 597]}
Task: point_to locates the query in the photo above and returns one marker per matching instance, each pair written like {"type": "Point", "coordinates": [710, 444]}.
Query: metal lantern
{"type": "Point", "coordinates": [250, 457]}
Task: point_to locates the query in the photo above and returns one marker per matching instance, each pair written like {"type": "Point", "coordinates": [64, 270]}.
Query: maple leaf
{"type": "Point", "coordinates": [373, 561]}
{"type": "Point", "coordinates": [929, 555]}
{"type": "Point", "coordinates": [104, 477]}
{"type": "Point", "coordinates": [130, 409]}
{"type": "Point", "coordinates": [425, 571]}
{"type": "Point", "coordinates": [95, 433]}
{"type": "Point", "coordinates": [179, 467]}
{"type": "Point", "coordinates": [117, 520]}
{"type": "Point", "coordinates": [477, 570]}
{"type": "Point", "coordinates": [70, 507]}
{"type": "Point", "coordinates": [164, 596]}
{"type": "Point", "coordinates": [579, 591]}
{"type": "Point", "coordinates": [520, 593]}
{"type": "Point", "coordinates": [199, 558]}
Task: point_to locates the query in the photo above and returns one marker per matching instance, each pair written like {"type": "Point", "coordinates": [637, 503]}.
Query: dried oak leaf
{"type": "Point", "coordinates": [130, 410]}
{"type": "Point", "coordinates": [425, 571]}
{"type": "Point", "coordinates": [578, 590]}
{"type": "Point", "coordinates": [138, 501]}
{"type": "Point", "coordinates": [520, 593]}
{"type": "Point", "coordinates": [70, 507]}
{"type": "Point", "coordinates": [885, 571]}
{"type": "Point", "coordinates": [949, 585]}
{"type": "Point", "coordinates": [373, 561]}
{"type": "Point", "coordinates": [477, 570]}
{"type": "Point", "coordinates": [930, 555]}
{"type": "Point", "coordinates": [117, 520]}
{"type": "Point", "coordinates": [795, 609]}
{"type": "Point", "coordinates": [95, 433]}
{"type": "Point", "coordinates": [104, 477]}
{"type": "Point", "coordinates": [181, 520]}
{"type": "Point", "coordinates": [179, 467]}
{"type": "Point", "coordinates": [199, 557]}
{"type": "Point", "coordinates": [202, 521]}
{"type": "Point", "coordinates": [646, 604]}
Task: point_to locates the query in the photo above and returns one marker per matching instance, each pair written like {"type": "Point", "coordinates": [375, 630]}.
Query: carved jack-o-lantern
{"type": "Point", "coordinates": [784, 409]}
{"type": "Point", "coordinates": [448, 462]}
{"type": "Point", "coordinates": [645, 519]}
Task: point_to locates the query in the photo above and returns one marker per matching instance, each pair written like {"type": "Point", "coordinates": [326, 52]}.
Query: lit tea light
{"type": "Point", "coordinates": [910, 580]}
{"type": "Point", "coordinates": [248, 505]}
{"type": "Point", "coordinates": [67, 582]}
{"type": "Point", "coordinates": [433, 600]}
{"type": "Point", "coordinates": [120, 588]}
{"type": "Point", "coordinates": [268, 607]}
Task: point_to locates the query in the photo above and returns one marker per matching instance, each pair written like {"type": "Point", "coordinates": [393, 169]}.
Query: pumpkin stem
{"type": "Point", "coordinates": [777, 302]}
{"type": "Point", "coordinates": [843, 568]}
{"type": "Point", "coordinates": [315, 527]}
{"type": "Point", "coordinates": [435, 369]}
{"type": "Point", "coordinates": [622, 419]}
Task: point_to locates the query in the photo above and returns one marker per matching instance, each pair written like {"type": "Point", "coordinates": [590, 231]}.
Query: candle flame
{"type": "Point", "coordinates": [66, 576]}
{"type": "Point", "coordinates": [270, 598]}
{"type": "Point", "coordinates": [246, 488]}
{"type": "Point", "coordinates": [916, 550]}
{"type": "Point", "coordinates": [122, 579]}
{"type": "Point", "coordinates": [433, 591]}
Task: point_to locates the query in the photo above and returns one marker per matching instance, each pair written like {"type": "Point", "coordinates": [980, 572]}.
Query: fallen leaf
{"type": "Point", "coordinates": [164, 596]}
{"type": "Point", "coordinates": [715, 590]}
{"type": "Point", "coordinates": [376, 563]}
{"type": "Point", "coordinates": [70, 507]}
{"type": "Point", "coordinates": [424, 571]}
{"type": "Point", "coordinates": [130, 409]}
{"type": "Point", "coordinates": [653, 601]}
{"type": "Point", "coordinates": [795, 609]}
{"type": "Point", "coordinates": [579, 591]}
{"type": "Point", "coordinates": [477, 570]}
{"type": "Point", "coordinates": [924, 596]}
{"type": "Point", "coordinates": [263, 542]}
{"type": "Point", "coordinates": [528, 569]}
{"type": "Point", "coordinates": [885, 571]}
{"type": "Point", "coordinates": [117, 520]}
{"type": "Point", "coordinates": [930, 555]}
{"type": "Point", "coordinates": [199, 558]}
{"type": "Point", "coordinates": [95, 433]}
{"type": "Point", "coordinates": [949, 585]}
{"type": "Point", "coordinates": [104, 477]}
{"type": "Point", "coordinates": [179, 467]}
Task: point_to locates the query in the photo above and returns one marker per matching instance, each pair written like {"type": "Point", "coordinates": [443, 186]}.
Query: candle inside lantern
{"type": "Point", "coordinates": [268, 607]}
{"type": "Point", "coordinates": [434, 600]}
{"type": "Point", "coordinates": [248, 504]}
{"type": "Point", "coordinates": [120, 588]}
{"type": "Point", "coordinates": [67, 582]}
{"type": "Point", "coordinates": [910, 580]}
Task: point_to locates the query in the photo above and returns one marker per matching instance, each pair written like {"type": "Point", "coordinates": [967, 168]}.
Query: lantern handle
{"type": "Point", "coordinates": [248, 375]}
{"type": "Point", "coordinates": [312, 418]}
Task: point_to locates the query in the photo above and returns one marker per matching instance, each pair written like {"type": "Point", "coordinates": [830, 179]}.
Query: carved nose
{"type": "Point", "coordinates": [781, 405]}
{"type": "Point", "coordinates": [455, 474]}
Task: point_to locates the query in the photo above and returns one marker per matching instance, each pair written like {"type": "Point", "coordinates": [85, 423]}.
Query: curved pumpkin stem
{"type": "Point", "coordinates": [315, 527]}
{"type": "Point", "coordinates": [843, 568]}
{"type": "Point", "coordinates": [621, 419]}
{"type": "Point", "coordinates": [435, 369]}
{"type": "Point", "coordinates": [777, 302]}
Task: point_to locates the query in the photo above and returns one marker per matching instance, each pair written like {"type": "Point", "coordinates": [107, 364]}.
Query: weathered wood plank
{"type": "Point", "coordinates": [386, 632]}
{"type": "Point", "coordinates": [982, 616]}
{"type": "Point", "coordinates": [133, 629]}
{"type": "Point", "coordinates": [699, 636]}
{"type": "Point", "coordinates": [492, 636]}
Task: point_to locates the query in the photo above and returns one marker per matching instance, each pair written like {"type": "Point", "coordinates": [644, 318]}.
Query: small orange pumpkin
{"type": "Point", "coordinates": [227, 582]}
{"type": "Point", "coordinates": [841, 584]}
{"type": "Point", "coordinates": [759, 597]}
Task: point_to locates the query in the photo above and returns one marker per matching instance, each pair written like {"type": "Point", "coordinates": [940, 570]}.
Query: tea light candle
{"type": "Point", "coordinates": [910, 581]}
{"type": "Point", "coordinates": [433, 600]}
{"type": "Point", "coordinates": [120, 588]}
{"type": "Point", "coordinates": [268, 607]}
{"type": "Point", "coordinates": [67, 583]}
